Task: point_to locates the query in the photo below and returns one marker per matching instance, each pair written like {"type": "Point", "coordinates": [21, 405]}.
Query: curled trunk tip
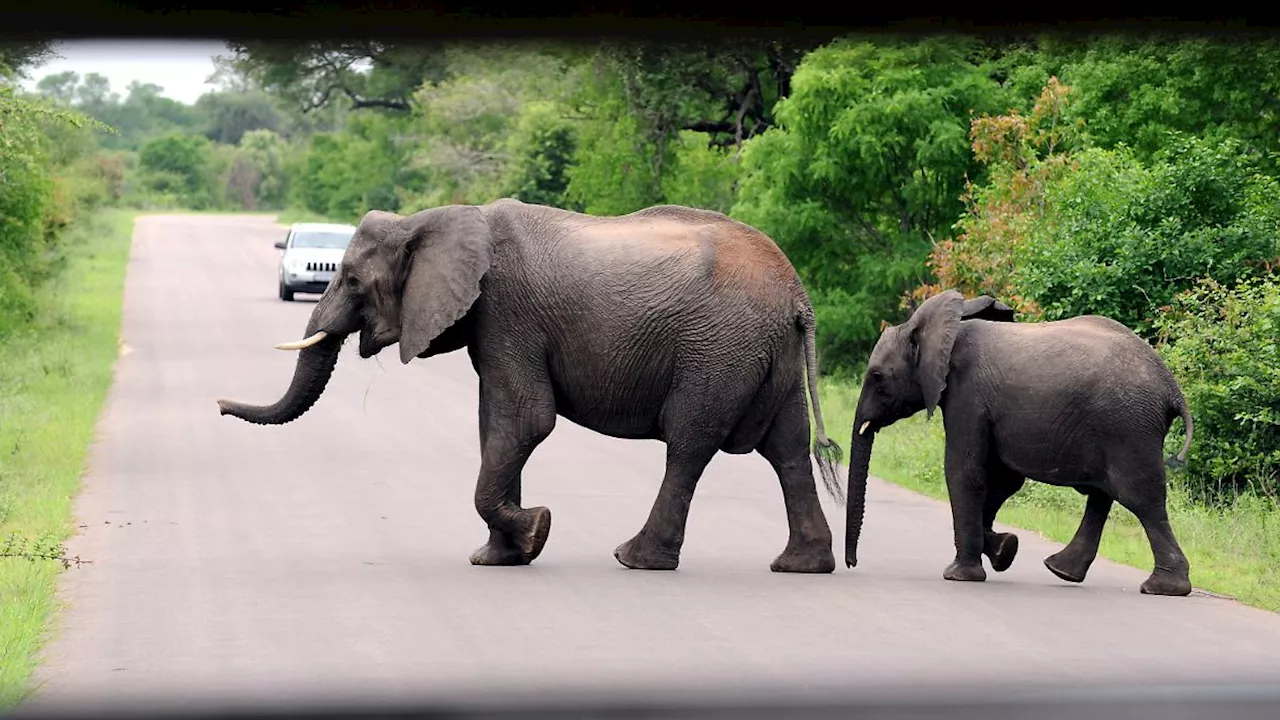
{"type": "Point", "coordinates": [310, 376]}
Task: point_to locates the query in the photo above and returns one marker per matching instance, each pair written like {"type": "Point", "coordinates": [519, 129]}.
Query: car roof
{"type": "Point", "coordinates": [322, 227]}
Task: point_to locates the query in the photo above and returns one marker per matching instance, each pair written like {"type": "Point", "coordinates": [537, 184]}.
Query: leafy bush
{"type": "Point", "coordinates": [1220, 342]}
{"type": "Point", "coordinates": [36, 201]}
{"type": "Point", "coordinates": [1024, 154]}
{"type": "Point", "coordinates": [1122, 240]}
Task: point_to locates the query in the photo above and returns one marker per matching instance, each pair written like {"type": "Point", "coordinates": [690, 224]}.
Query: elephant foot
{"type": "Point", "coordinates": [805, 558]}
{"type": "Point", "coordinates": [640, 553]}
{"type": "Point", "coordinates": [1165, 583]}
{"type": "Point", "coordinates": [1067, 567]}
{"type": "Point", "coordinates": [500, 550]}
{"type": "Point", "coordinates": [1002, 549]}
{"type": "Point", "coordinates": [964, 573]}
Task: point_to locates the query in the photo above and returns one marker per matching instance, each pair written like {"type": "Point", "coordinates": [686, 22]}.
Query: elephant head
{"type": "Point", "coordinates": [403, 279]}
{"type": "Point", "coordinates": [906, 373]}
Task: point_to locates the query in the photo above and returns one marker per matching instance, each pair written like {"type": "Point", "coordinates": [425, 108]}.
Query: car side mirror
{"type": "Point", "coordinates": [279, 244]}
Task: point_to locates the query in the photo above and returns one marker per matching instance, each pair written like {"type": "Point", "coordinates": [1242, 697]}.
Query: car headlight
{"type": "Point", "coordinates": [294, 265]}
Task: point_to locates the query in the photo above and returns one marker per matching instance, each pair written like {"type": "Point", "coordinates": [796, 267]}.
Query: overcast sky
{"type": "Point", "coordinates": [180, 67]}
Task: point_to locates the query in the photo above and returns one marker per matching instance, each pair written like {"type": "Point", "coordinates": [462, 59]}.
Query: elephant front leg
{"type": "Point", "coordinates": [1000, 548]}
{"type": "Point", "coordinates": [967, 487]}
{"type": "Point", "coordinates": [516, 535]}
{"type": "Point", "coordinates": [507, 439]}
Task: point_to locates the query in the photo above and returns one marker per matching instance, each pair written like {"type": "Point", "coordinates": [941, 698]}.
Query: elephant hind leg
{"type": "Point", "coordinates": [1144, 494]}
{"type": "Point", "coordinates": [516, 415]}
{"type": "Point", "coordinates": [657, 545]}
{"type": "Point", "coordinates": [786, 447]}
{"type": "Point", "coordinates": [1072, 562]}
{"type": "Point", "coordinates": [698, 416]}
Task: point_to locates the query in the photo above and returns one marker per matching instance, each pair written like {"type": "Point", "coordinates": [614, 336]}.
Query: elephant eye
{"type": "Point", "coordinates": [353, 282]}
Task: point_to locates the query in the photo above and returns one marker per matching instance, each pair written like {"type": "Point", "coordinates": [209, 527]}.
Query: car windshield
{"type": "Point", "coordinates": [322, 239]}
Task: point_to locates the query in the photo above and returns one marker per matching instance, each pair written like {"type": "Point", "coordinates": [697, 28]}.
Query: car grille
{"type": "Point", "coordinates": [322, 267]}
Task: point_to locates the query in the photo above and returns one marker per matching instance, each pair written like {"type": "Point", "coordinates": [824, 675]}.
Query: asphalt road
{"type": "Point", "coordinates": [326, 559]}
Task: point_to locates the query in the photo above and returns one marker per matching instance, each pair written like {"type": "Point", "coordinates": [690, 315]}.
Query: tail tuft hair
{"type": "Point", "coordinates": [829, 456]}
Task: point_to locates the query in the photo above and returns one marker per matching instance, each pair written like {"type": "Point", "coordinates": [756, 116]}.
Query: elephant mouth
{"type": "Point", "coordinates": [372, 343]}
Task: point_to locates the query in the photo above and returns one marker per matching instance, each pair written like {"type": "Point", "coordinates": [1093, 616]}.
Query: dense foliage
{"type": "Point", "coordinates": [866, 166]}
{"type": "Point", "coordinates": [44, 185]}
{"type": "Point", "coordinates": [1129, 176]}
{"type": "Point", "coordinates": [1220, 342]}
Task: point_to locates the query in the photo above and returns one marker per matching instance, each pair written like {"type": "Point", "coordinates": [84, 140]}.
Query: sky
{"type": "Point", "coordinates": [180, 67]}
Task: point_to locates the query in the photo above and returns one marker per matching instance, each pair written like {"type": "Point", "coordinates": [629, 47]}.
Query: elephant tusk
{"type": "Point", "coordinates": [303, 344]}
{"type": "Point", "coordinates": [864, 427]}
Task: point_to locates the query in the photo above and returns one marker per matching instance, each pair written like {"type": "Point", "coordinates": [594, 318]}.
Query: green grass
{"type": "Point", "coordinates": [53, 381]}
{"type": "Point", "coordinates": [1233, 552]}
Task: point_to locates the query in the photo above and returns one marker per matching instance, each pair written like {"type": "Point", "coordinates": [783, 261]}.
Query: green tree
{"type": "Point", "coordinates": [19, 57]}
{"type": "Point", "coordinates": [466, 123]}
{"type": "Point", "coordinates": [227, 116]}
{"type": "Point", "coordinates": [179, 163]}
{"type": "Point", "coordinates": [866, 167]}
{"type": "Point", "coordinates": [364, 74]}
{"type": "Point", "coordinates": [342, 175]}
{"type": "Point", "coordinates": [617, 166]}
{"type": "Point", "coordinates": [1023, 155]}
{"type": "Point", "coordinates": [543, 145]}
{"type": "Point", "coordinates": [60, 87]}
{"type": "Point", "coordinates": [1133, 89]}
{"type": "Point", "coordinates": [266, 151]}
{"type": "Point", "coordinates": [646, 106]}
{"type": "Point", "coordinates": [704, 175]}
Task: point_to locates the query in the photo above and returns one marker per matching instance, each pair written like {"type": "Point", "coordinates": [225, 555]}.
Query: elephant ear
{"type": "Point", "coordinates": [932, 330]}
{"type": "Point", "coordinates": [449, 250]}
{"type": "Point", "coordinates": [985, 307]}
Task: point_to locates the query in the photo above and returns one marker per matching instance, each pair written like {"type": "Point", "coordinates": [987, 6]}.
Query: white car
{"type": "Point", "coordinates": [312, 254]}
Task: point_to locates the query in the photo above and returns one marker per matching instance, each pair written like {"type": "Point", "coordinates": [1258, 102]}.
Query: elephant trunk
{"type": "Point", "coordinates": [310, 376]}
{"type": "Point", "coordinates": [859, 466]}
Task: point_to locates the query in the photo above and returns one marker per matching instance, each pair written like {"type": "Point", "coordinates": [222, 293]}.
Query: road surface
{"type": "Point", "coordinates": [327, 558]}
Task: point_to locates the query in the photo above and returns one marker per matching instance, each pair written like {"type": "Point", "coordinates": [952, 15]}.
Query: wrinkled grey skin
{"type": "Point", "coordinates": [1082, 403]}
{"type": "Point", "coordinates": [671, 323]}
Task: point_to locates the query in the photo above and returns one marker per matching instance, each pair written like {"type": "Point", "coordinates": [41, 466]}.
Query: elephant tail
{"type": "Point", "coordinates": [1183, 410]}
{"type": "Point", "coordinates": [825, 450]}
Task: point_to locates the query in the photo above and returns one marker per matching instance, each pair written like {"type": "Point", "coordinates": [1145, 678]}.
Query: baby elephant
{"type": "Point", "coordinates": [1082, 403]}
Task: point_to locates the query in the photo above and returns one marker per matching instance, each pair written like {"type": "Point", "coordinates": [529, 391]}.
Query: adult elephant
{"type": "Point", "coordinates": [1082, 403]}
{"type": "Point", "coordinates": [670, 323]}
